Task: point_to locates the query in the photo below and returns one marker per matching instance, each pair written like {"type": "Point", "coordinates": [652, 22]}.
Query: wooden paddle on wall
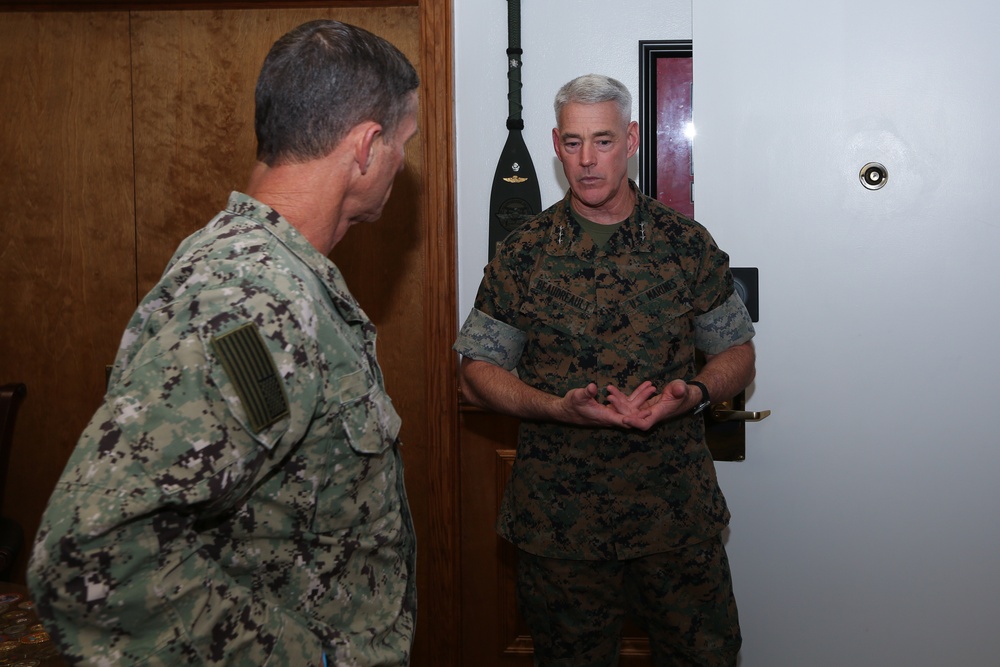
{"type": "Point", "coordinates": [515, 196]}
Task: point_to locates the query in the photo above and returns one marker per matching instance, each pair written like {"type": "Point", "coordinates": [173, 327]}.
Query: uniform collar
{"type": "Point", "coordinates": [566, 236]}
{"type": "Point", "coordinates": [275, 224]}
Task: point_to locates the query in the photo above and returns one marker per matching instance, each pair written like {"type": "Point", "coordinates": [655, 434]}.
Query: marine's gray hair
{"type": "Point", "coordinates": [594, 89]}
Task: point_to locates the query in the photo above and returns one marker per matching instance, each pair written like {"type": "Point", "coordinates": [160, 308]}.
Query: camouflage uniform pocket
{"type": "Point", "coordinates": [659, 307]}
{"type": "Point", "coordinates": [358, 484]}
{"type": "Point", "coordinates": [661, 320]}
{"type": "Point", "coordinates": [370, 423]}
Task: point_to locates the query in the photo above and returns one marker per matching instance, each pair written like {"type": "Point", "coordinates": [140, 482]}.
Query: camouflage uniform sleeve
{"type": "Point", "coordinates": [485, 338]}
{"type": "Point", "coordinates": [723, 320]}
{"type": "Point", "coordinates": [707, 268]}
{"type": "Point", "coordinates": [119, 572]}
{"type": "Point", "coordinates": [721, 328]}
{"type": "Point", "coordinates": [504, 288]}
{"type": "Point", "coordinates": [490, 333]}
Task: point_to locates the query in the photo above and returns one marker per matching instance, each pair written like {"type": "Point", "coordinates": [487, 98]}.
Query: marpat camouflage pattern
{"type": "Point", "coordinates": [569, 313]}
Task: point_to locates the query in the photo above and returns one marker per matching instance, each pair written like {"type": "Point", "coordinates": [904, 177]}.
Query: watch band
{"type": "Point", "coordinates": [705, 400]}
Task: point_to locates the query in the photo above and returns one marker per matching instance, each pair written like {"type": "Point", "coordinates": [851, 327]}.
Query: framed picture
{"type": "Point", "coordinates": [666, 129]}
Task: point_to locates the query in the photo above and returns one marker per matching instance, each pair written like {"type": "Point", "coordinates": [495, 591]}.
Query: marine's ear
{"type": "Point", "coordinates": [632, 132]}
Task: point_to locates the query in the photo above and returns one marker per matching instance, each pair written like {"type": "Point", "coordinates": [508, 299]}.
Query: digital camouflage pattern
{"type": "Point", "coordinates": [683, 599]}
{"type": "Point", "coordinates": [179, 532]}
{"type": "Point", "coordinates": [570, 313]}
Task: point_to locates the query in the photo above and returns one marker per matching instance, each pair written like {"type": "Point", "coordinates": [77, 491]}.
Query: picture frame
{"type": "Point", "coordinates": [666, 167]}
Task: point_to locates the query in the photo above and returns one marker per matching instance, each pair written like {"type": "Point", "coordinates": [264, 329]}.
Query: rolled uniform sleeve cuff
{"type": "Point", "coordinates": [723, 327]}
{"type": "Point", "coordinates": [484, 338]}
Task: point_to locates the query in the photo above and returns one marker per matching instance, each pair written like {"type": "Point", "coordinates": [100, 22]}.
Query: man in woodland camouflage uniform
{"type": "Point", "coordinates": [238, 497]}
{"type": "Point", "coordinates": [586, 327]}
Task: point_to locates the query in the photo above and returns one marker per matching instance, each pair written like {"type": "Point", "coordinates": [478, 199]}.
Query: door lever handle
{"type": "Point", "coordinates": [720, 412]}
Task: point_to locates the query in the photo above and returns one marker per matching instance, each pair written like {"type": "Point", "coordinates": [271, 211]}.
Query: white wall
{"type": "Point", "coordinates": [865, 529]}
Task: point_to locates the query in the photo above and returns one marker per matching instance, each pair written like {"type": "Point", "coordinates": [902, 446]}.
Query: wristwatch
{"type": "Point", "coordinates": [705, 400]}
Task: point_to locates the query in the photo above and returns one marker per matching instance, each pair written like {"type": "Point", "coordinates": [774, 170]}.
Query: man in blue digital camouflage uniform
{"type": "Point", "coordinates": [238, 497]}
{"type": "Point", "coordinates": [586, 327]}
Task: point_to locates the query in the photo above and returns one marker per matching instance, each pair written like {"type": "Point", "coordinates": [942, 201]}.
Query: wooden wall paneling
{"type": "Point", "coordinates": [195, 73]}
{"type": "Point", "coordinates": [67, 241]}
{"type": "Point", "coordinates": [127, 5]}
{"type": "Point", "coordinates": [80, 251]}
{"type": "Point", "coordinates": [515, 638]}
{"type": "Point", "coordinates": [489, 630]}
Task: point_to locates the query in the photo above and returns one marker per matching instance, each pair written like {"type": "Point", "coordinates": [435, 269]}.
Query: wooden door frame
{"type": "Point", "coordinates": [441, 319]}
{"type": "Point", "coordinates": [439, 552]}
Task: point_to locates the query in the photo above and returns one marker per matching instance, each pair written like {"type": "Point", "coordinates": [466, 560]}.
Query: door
{"type": "Point", "coordinates": [864, 529]}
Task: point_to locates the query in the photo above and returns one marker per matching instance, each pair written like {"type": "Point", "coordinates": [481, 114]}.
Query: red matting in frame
{"type": "Point", "coordinates": [674, 164]}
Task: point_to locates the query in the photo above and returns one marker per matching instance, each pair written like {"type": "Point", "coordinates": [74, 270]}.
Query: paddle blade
{"type": "Point", "coordinates": [515, 196]}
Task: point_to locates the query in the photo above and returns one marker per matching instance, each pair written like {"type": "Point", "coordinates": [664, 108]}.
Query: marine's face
{"type": "Point", "coordinates": [594, 144]}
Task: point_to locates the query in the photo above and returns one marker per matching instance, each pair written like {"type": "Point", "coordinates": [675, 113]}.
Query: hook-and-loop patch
{"type": "Point", "coordinates": [250, 367]}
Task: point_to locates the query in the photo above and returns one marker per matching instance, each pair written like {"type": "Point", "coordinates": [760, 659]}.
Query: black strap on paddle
{"type": "Point", "coordinates": [514, 64]}
{"type": "Point", "coordinates": [515, 196]}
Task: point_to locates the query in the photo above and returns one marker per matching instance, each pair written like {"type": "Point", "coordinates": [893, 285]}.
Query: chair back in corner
{"type": "Point", "coordinates": [11, 534]}
{"type": "Point", "coordinates": [11, 396]}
